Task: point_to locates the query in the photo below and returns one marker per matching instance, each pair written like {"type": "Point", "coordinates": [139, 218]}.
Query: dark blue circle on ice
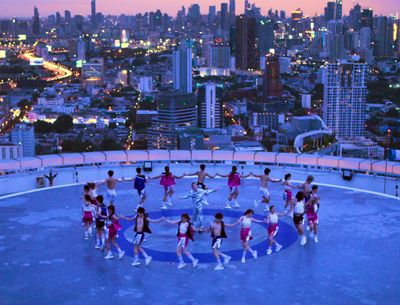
{"type": "Point", "coordinates": [287, 236]}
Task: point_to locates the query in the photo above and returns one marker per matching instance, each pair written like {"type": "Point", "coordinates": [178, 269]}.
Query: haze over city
{"type": "Point", "coordinates": [12, 8]}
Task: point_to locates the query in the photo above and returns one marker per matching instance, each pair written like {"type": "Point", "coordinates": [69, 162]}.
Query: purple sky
{"type": "Point", "coordinates": [310, 7]}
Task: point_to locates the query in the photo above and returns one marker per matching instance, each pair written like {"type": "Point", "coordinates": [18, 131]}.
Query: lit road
{"type": "Point", "coordinates": [60, 71]}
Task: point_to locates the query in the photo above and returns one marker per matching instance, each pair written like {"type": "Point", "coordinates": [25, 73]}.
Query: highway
{"type": "Point", "coordinates": [60, 72]}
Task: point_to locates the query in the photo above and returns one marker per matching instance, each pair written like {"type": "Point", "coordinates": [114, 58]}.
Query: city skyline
{"type": "Point", "coordinates": [46, 7]}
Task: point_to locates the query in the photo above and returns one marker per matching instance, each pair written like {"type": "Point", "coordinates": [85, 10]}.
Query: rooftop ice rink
{"type": "Point", "coordinates": [45, 260]}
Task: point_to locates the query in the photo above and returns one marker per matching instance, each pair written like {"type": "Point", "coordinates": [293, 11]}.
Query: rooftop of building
{"type": "Point", "coordinates": [42, 236]}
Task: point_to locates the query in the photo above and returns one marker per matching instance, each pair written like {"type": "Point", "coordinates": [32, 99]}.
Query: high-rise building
{"type": "Point", "coordinates": [219, 56]}
{"type": "Point", "coordinates": [345, 93]}
{"type": "Point", "coordinates": [339, 10]}
{"type": "Point", "coordinates": [224, 17]}
{"type": "Point", "coordinates": [335, 40]}
{"type": "Point", "coordinates": [212, 11]}
{"type": "Point", "coordinates": [355, 17]}
{"type": "Point", "coordinates": [330, 11]}
{"type": "Point", "coordinates": [182, 67]}
{"type": "Point", "coordinates": [36, 28]}
{"type": "Point", "coordinates": [209, 107]}
{"type": "Point", "coordinates": [265, 35]}
{"type": "Point", "coordinates": [175, 111]}
{"type": "Point", "coordinates": [247, 56]}
{"type": "Point", "coordinates": [367, 18]}
{"type": "Point", "coordinates": [384, 37]}
{"type": "Point", "coordinates": [67, 17]}
{"type": "Point", "coordinates": [296, 21]}
{"type": "Point", "coordinates": [272, 84]}
{"type": "Point", "coordinates": [93, 15]}
{"type": "Point", "coordinates": [58, 19]}
{"type": "Point", "coordinates": [24, 135]}
{"type": "Point", "coordinates": [194, 15]}
{"type": "Point", "coordinates": [232, 6]}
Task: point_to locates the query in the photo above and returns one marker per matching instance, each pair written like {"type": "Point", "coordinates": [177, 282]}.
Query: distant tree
{"type": "Point", "coordinates": [24, 104]}
{"type": "Point", "coordinates": [63, 124]}
{"type": "Point", "coordinates": [110, 144]}
{"type": "Point", "coordinates": [42, 127]}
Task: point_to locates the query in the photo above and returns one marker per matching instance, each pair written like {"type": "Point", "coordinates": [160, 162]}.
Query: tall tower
{"type": "Point", "coordinates": [232, 6]}
{"type": "Point", "coordinates": [175, 111]}
{"type": "Point", "coordinates": [339, 10]}
{"type": "Point", "coordinates": [93, 16]}
{"type": "Point", "coordinates": [345, 93]}
{"type": "Point", "coordinates": [224, 16]}
{"type": "Point", "coordinates": [384, 38]}
{"type": "Point", "coordinates": [247, 56]}
{"type": "Point", "coordinates": [209, 107]}
{"type": "Point", "coordinates": [182, 67]}
{"type": "Point", "coordinates": [272, 85]}
{"type": "Point", "coordinates": [36, 28]}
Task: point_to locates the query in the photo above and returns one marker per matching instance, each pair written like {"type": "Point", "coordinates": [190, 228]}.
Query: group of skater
{"type": "Point", "coordinates": [302, 207]}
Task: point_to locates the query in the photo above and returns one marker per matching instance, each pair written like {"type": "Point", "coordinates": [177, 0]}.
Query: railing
{"type": "Point", "coordinates": [214, 156]}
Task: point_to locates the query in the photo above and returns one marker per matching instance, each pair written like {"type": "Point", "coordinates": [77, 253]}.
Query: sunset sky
{"type": "Point", "coordinates": [11, 8]}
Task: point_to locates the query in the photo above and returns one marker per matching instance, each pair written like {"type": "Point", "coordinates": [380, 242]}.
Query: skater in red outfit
{"type": "Point", "coordinates": [113, 227]}
{"type": "Point", "coordinates": [185, 233]}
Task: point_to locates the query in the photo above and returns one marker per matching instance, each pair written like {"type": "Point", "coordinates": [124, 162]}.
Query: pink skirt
{"type": "Point", "coordinates": [273, 229]}
{"type": "Point", "coordinates": [312, 218]}
{"type": "Point", "coordinates": [87, 217]}
{"type": "Point", "coordinates": [288, 195]}
{"type": "Point", "coordinates": [112, 232]}
{"type": "Point", "coordinates": [245, 234]}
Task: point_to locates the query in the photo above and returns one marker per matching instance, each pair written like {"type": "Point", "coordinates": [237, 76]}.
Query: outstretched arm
{"type": "Point", "coordinates": [209, 176]}
{"type": "Point", "coordinates": [194, 174]}
{"type": "Point", "coordinates": [209, 191]}
{"type": "Point", "coordinates": [231, 225]}
{"type": "Point", "coordinates": [256, 220]}
{"type": "Point", "coordinates": [235, 223]}
{"type": "Point", "coordinates": [171, 222]}
{"type": "Point", "coordinates": [156, 220]}
{"type": "Point", "coordinates": [223, 176]}
{"type": "Point", "coordinates": [155, 177]}
{"type": "Point", "coordinates": [274, 180]}
{"type": "Point", "coordinates": [179, 177]}
{"type": "Point", "coordinates": [186, 196]}
{"type": "Point", "coordinates": [127, 218]}
{"type": "Point", "coordinates": [257, 176]}
{"type": "Point", "coordinates": [246, 176]}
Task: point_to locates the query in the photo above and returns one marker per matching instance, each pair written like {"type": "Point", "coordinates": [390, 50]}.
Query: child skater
{"type": "Point", "coordinates": [273, 228]}
{"type": "Point", "coordinates": [140, 186]}
{"type": "Point", "coordinates": [87, 215]}
{"type": "Point", "coordinates": [217, 229]}
{"type": "Point", "coordinates": [113, 228]}
{"type": "Point", "coordinates": [312, 207]}
{"type": "Point", "coordinates": [264, 191]}
{"type": "Point", "coordinates": [287, 192]}
{"type": "Point", "coordinates": [245, 222]}
{"type": "Point", "coordinates": [306, 188]}
{"type": "Point", "coordinates": [198, 197]}
{"type": "Point", "coordinates": [185, 232]}
{"type": "Point", "coordinates": [168, 182]}
{"type": "Point", "coordinates": [142, 226]}
{"type": "Point", "coordinates": [101, 216]}
{"type": "Point", "coordinates": [298, 216]}
{"type": "Point", "coordinates": [201, 177]}
{"type": "Point", "coordinates": [234, 181]}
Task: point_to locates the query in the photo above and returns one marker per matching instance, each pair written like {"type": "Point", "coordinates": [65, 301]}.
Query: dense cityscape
{"type": "Point", "coordinates": [237, 78]}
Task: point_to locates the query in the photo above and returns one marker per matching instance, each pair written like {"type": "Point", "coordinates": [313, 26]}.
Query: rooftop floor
{"type": "Point", "coordinates": [45, 260]}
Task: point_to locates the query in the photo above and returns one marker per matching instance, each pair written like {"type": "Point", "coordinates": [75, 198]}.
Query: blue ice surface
{"type": "Point", "coordinates": [45, 260]}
